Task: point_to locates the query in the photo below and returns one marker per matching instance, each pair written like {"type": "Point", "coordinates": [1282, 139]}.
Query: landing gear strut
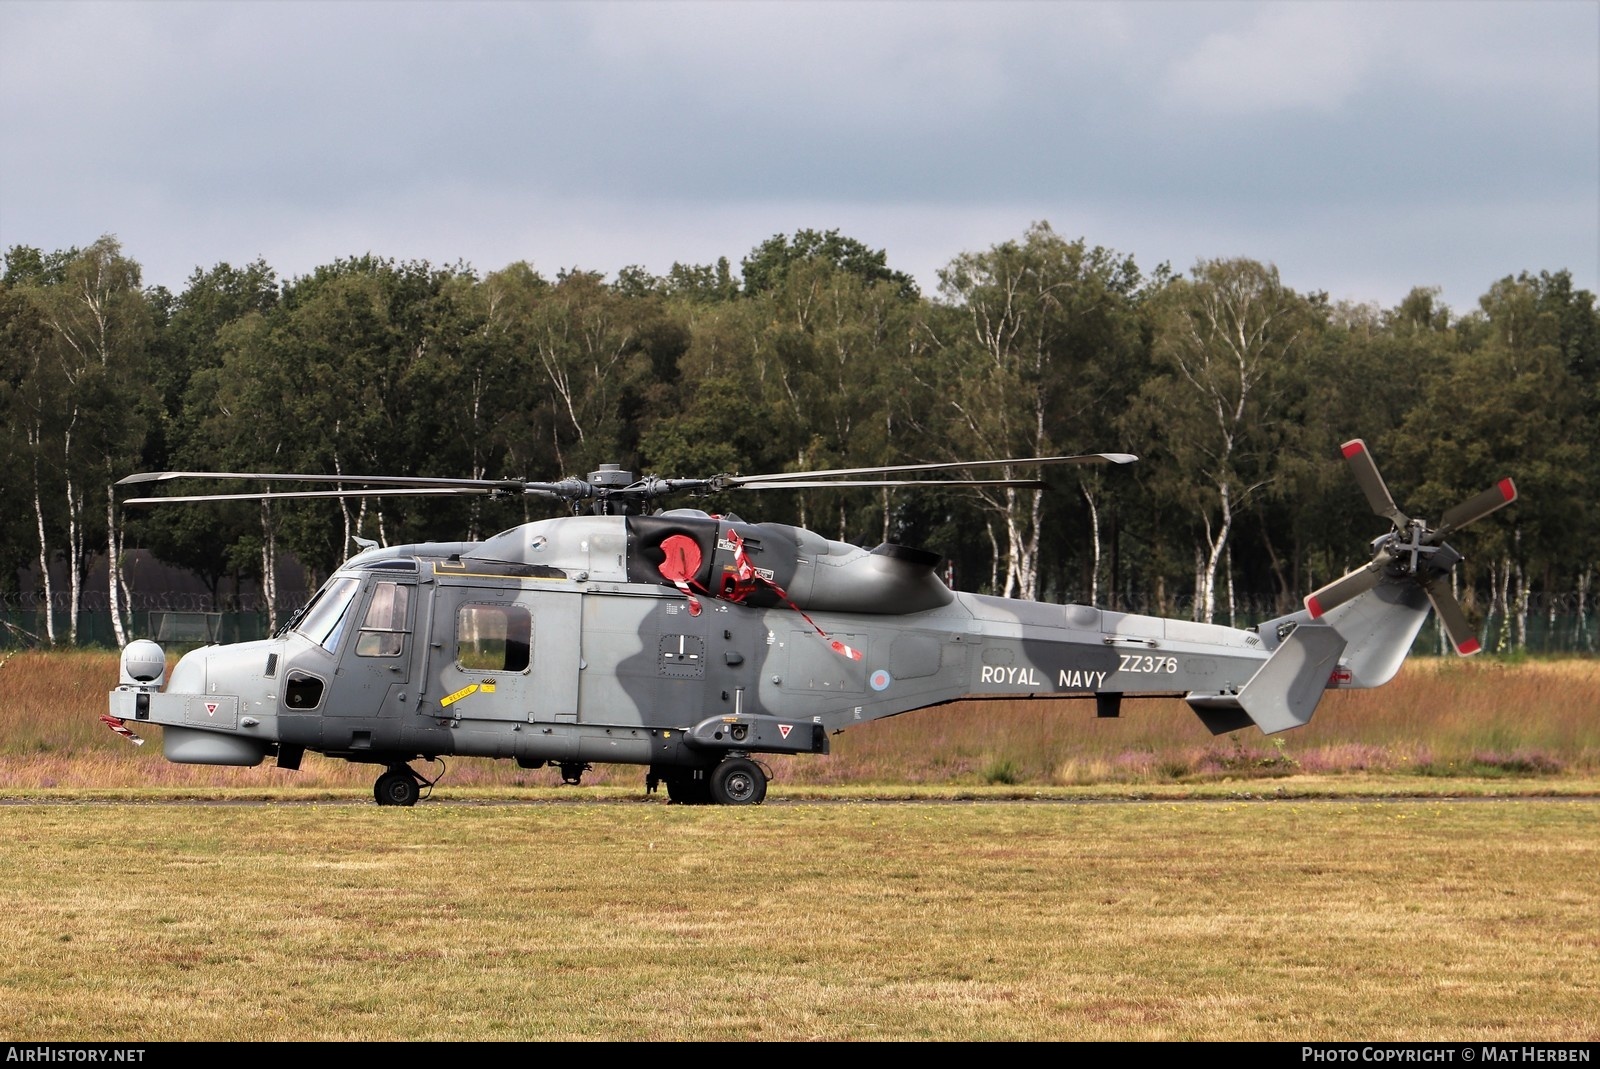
{"type": "Point", "coordinates": [685, 789]}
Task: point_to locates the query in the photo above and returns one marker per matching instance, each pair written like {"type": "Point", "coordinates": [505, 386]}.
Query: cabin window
{"type": "Point", "coordinates": [302, 690]}
{"type": "Point", "coordinates": [383, 630]}
{"type": "Point", "coordinates": [493, 638]}
{"type": "Point", "coordinates": [323, 622]}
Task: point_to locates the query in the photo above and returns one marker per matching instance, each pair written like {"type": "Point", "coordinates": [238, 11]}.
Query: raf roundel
{"type": "Point", "coordinates": [880, 680]}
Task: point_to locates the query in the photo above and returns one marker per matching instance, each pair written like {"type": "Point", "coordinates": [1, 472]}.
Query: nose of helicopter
{"type": "Point", "coordinates": [208, 710]}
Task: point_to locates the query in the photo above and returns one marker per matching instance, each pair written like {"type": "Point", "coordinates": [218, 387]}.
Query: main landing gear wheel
{"type": "Point", "coordinates": [398, 786]}
{"type": "Point", "coordinates": [738, 781]}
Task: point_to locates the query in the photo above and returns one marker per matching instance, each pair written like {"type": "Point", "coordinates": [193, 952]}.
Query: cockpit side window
{"type": "Point", "coordinates": [493, 638]}
{"type": "Point", "coordinates": [323, 622]}
{"type": "Point", "coordinates": [383, 629]}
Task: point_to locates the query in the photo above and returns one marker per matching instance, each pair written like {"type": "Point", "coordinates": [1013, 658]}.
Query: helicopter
{"type": "Point", "coordinates": [694, 643]}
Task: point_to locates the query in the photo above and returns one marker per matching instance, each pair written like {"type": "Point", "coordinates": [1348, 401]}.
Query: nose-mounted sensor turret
{"type": "Point", "coordinates": [144, 665]}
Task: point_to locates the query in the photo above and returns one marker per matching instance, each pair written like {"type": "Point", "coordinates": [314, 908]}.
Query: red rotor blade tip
{"type": "Point", "coordinates": [1508, 490]}
{"type": "Point", "coordinates": [1469, 647]}
{"type": "Point", "coordinates": [1352, 447]}
{"type": "Point", "coordinates": [1314, 606]}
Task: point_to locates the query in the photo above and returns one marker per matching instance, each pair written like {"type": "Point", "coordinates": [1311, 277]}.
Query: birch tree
{"type": "Point", "coordinates": [1224, 339]}
{"type": "Point", "coordinates": [1030, 372]}
{"type": "Point", "coordinates": [204, 320]}
{"type": "Point", "coordinates": [100, 327]}
{"type": "Point", "coordinates": [26, 388]}
{"type": "Point", "coordinates": [585, 350]}
{"type": "Point", "coordinates": [832, 355]}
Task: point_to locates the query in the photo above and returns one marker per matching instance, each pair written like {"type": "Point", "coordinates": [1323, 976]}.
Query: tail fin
{"type": "Point", "coordinates": [1285, 691]}
{"type": "Point", "coordinates": [1359, 643]}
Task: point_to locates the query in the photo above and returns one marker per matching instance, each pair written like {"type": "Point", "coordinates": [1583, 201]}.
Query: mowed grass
{"type": "Point", "coordinates": [1264, 920]}
{"type": "Point", "coordinates": [598, 913]}
{"type": "Point", "coordinates": [1442, 726]}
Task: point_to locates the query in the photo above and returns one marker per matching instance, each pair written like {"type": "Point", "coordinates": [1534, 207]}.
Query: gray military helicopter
{"type": "Point", "coordinates": [692, 643]}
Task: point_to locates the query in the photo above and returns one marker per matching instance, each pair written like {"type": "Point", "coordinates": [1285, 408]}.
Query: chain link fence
{"type": "Point", "coordinates": [174, 619]}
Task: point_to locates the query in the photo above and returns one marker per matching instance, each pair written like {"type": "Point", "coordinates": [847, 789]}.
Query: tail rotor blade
{"type": "Point", "coordinates": [1452, 618]}
{"type": "Point", "coordinates": [1424, 558]}
{"type": "Point", "coordinates": [1498, 496]}
{"type": "Point", "coordinates": [1346, 587]}
{"type": "Point", "coordinates": [1371, 483]}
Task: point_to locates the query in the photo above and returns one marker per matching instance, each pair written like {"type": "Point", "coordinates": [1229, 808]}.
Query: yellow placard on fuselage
{"type": "Point", "coordinates": [486, 687]}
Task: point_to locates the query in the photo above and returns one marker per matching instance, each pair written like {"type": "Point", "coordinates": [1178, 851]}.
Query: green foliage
{"type": "Point", "coordinates": [702, 282]}
{"type": "Point", "coordinates": [770, 263]}
{"type": "Point", "coordinates": [1002, 770]}
{"type": "Point", "coordinates": [1234, 390]}
{"type": "Point", "coordinates": [1229, 344]}
{"type": "Point", "coordinates": [78, 335]}
{"type": "Point", "coordinates": [1041, 341]}
{"type": "Point", "coordinates": [27, 266]}
{"type": "Point", "coordinates": [724, 429]}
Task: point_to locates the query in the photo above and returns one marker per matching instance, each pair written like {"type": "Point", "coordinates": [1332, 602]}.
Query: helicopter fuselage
{"type": "Point", "coordinates": [672, 641]}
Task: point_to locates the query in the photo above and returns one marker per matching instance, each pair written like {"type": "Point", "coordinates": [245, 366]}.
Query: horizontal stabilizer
{"type": "Point", "coordinates": [1220, 713]}
{"type": "Point", "coordinates": [1285, 691]}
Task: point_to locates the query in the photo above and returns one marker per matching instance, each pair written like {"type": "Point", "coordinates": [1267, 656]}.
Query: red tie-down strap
{"type": "Point", "coordinates": [743, 580]}
{"type": "Point", "coordinates": [681, 563]}
{"type": "Point", "coordinates": [121, 729]}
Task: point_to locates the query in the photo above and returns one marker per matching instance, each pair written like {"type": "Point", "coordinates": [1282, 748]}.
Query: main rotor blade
{"type": "Point", "coordinates": [508, 485]}
{"type": "Point", "coordinates": [1087, 458]}
{"type": "Point", "coordinates": [1498, 496]}
{"type": "Point", "coordinates": [135, 502]}
{"type": "Point", "coordinates": [1348, 586]}
{"type": "Point", "coordinates": [1452, 618]}
{"type": "Point", "coordinates": [1365, 470]}
{"type": "Point", "coordinates": [1027, 484]}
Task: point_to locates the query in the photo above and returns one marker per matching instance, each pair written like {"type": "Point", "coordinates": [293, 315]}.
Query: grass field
{"type": "Point", "coordinates": [1276, 921]}
{"type": "Point", "coordinates": [1481, 721]}
{"type": "Point", "coordinates": [1417, 864]}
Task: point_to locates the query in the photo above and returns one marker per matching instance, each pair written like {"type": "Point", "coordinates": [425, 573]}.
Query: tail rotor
{"type": "Point", "coordinates": [1411, 550]}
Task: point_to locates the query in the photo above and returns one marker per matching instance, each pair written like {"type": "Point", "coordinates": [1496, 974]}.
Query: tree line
{"type": "Point", "coordinates": [1235, 391]}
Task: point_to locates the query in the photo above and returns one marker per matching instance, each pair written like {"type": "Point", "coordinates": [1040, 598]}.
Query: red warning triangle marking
{"type": "Point", "coordinates": [211, 708]}
{"type": "Point", "coordinates": [784, 729]}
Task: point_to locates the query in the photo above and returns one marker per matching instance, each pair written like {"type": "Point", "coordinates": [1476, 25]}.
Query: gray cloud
{"type": "Point", "coordinates": [1364, 148]}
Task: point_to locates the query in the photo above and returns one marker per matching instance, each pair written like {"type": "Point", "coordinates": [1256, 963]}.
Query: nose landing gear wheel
{"type": "Point", "coordinates": [398, 786]}
{"type": "Point", "coordinates": [738, 781]}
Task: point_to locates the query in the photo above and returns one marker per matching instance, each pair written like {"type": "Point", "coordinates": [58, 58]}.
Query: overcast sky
{"type": "Point", "coordinates": [1363, 147]}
